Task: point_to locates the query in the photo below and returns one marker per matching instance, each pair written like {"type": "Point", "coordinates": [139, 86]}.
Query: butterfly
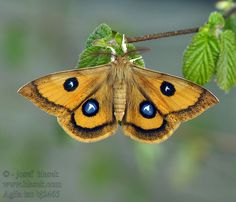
{"type": "Point", "coordinates": [90, 103]}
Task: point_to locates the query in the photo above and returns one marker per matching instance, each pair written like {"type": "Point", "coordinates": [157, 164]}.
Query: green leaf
{"type": "Point", "coordinates": [200, 58]}
{"type": "Point", "coordinates": [230, 23]}
{"type": "Point", "coordinates": [224, 5]}
{"type": "Point", "coordinates": [216, 20]}
{"type": "Point", "coordinates": [102, 31]}
{"type": "Point", "coordinates": [134, 55]}
{"type": "Point", "coordinates": [94, 56]}
{"type": "Point", "coordinates": [226, 65]}
{"type": "Point", "coordinates": [118, 38]}
{"type": "Point", "coordinates": [99, 46]}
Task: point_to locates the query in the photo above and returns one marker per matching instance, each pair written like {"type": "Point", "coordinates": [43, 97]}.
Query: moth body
{"type": "Point", "coordinates": [120, 79]}
{"type": "Point", "coordinates": [119, 99]}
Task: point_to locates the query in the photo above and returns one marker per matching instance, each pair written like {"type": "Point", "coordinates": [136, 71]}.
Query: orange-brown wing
{"type": "Point", "coordinates": [173, 99]}
{"type": "Point", "coordinates": [93, 119]}
{"type": "Point", "coordinates": [142, 120]}
{"type": "Point", "coordinates": [59, 93]}
{"type": "Point", "coordinates": [64, 94]}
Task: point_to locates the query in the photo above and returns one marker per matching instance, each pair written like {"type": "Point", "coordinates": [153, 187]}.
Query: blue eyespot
{"type": "Point", "coordinates": [167, 88]}
{"type": "Point", "coordinates": [147, 109]}
{"type": "Point", "coordinates": [71, 84]}
{"type": "Point", "coordinates": [90, 107]}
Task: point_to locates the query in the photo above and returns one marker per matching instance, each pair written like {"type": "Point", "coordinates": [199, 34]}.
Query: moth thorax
{"type": "Point", "coordinates": [119, 99]}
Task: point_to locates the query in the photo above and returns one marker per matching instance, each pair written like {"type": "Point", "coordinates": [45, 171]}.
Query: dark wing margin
{"type": "Point", "coordinates": [169, 109]}
{"type": "Point", "coordinates": [93, 128]}
{"type": "Point", "coordinates": [50, 94]}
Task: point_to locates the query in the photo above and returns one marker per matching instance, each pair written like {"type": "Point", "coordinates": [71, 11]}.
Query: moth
{"type": "Point", "coordinates": [90, 103]}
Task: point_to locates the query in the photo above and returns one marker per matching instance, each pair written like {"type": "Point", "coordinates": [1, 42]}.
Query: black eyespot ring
{"type": "Point", "coordinates": [71, 84]}
{"type": "Point", "coordinates": [90, 107]}
{"type": "Point", "coordinates": [147, 109]}
{"type": "Point", "coordinates": [167, 88]}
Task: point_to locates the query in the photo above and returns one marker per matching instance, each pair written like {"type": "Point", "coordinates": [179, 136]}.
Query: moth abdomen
{"type": "Point", "coordinates": [119, 99]}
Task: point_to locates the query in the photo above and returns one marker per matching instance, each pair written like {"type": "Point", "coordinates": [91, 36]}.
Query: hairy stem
{"type": "Point", "coordinates": [174, 33]}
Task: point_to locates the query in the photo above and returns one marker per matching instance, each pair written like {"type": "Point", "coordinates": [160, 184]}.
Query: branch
{"type": "Point", "coordinates": [174, 33]}
{"type": "Point", "coordinates": [162, 35]}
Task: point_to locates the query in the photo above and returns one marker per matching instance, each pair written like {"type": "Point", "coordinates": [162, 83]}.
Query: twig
{"type": "Point", "coordinates": [162, 35]}
{"type": "Point", "coordinates": [174, 33]}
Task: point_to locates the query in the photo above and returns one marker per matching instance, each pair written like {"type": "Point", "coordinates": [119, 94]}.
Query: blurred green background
{"type": "Point", "coordinates": [38, 37]}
